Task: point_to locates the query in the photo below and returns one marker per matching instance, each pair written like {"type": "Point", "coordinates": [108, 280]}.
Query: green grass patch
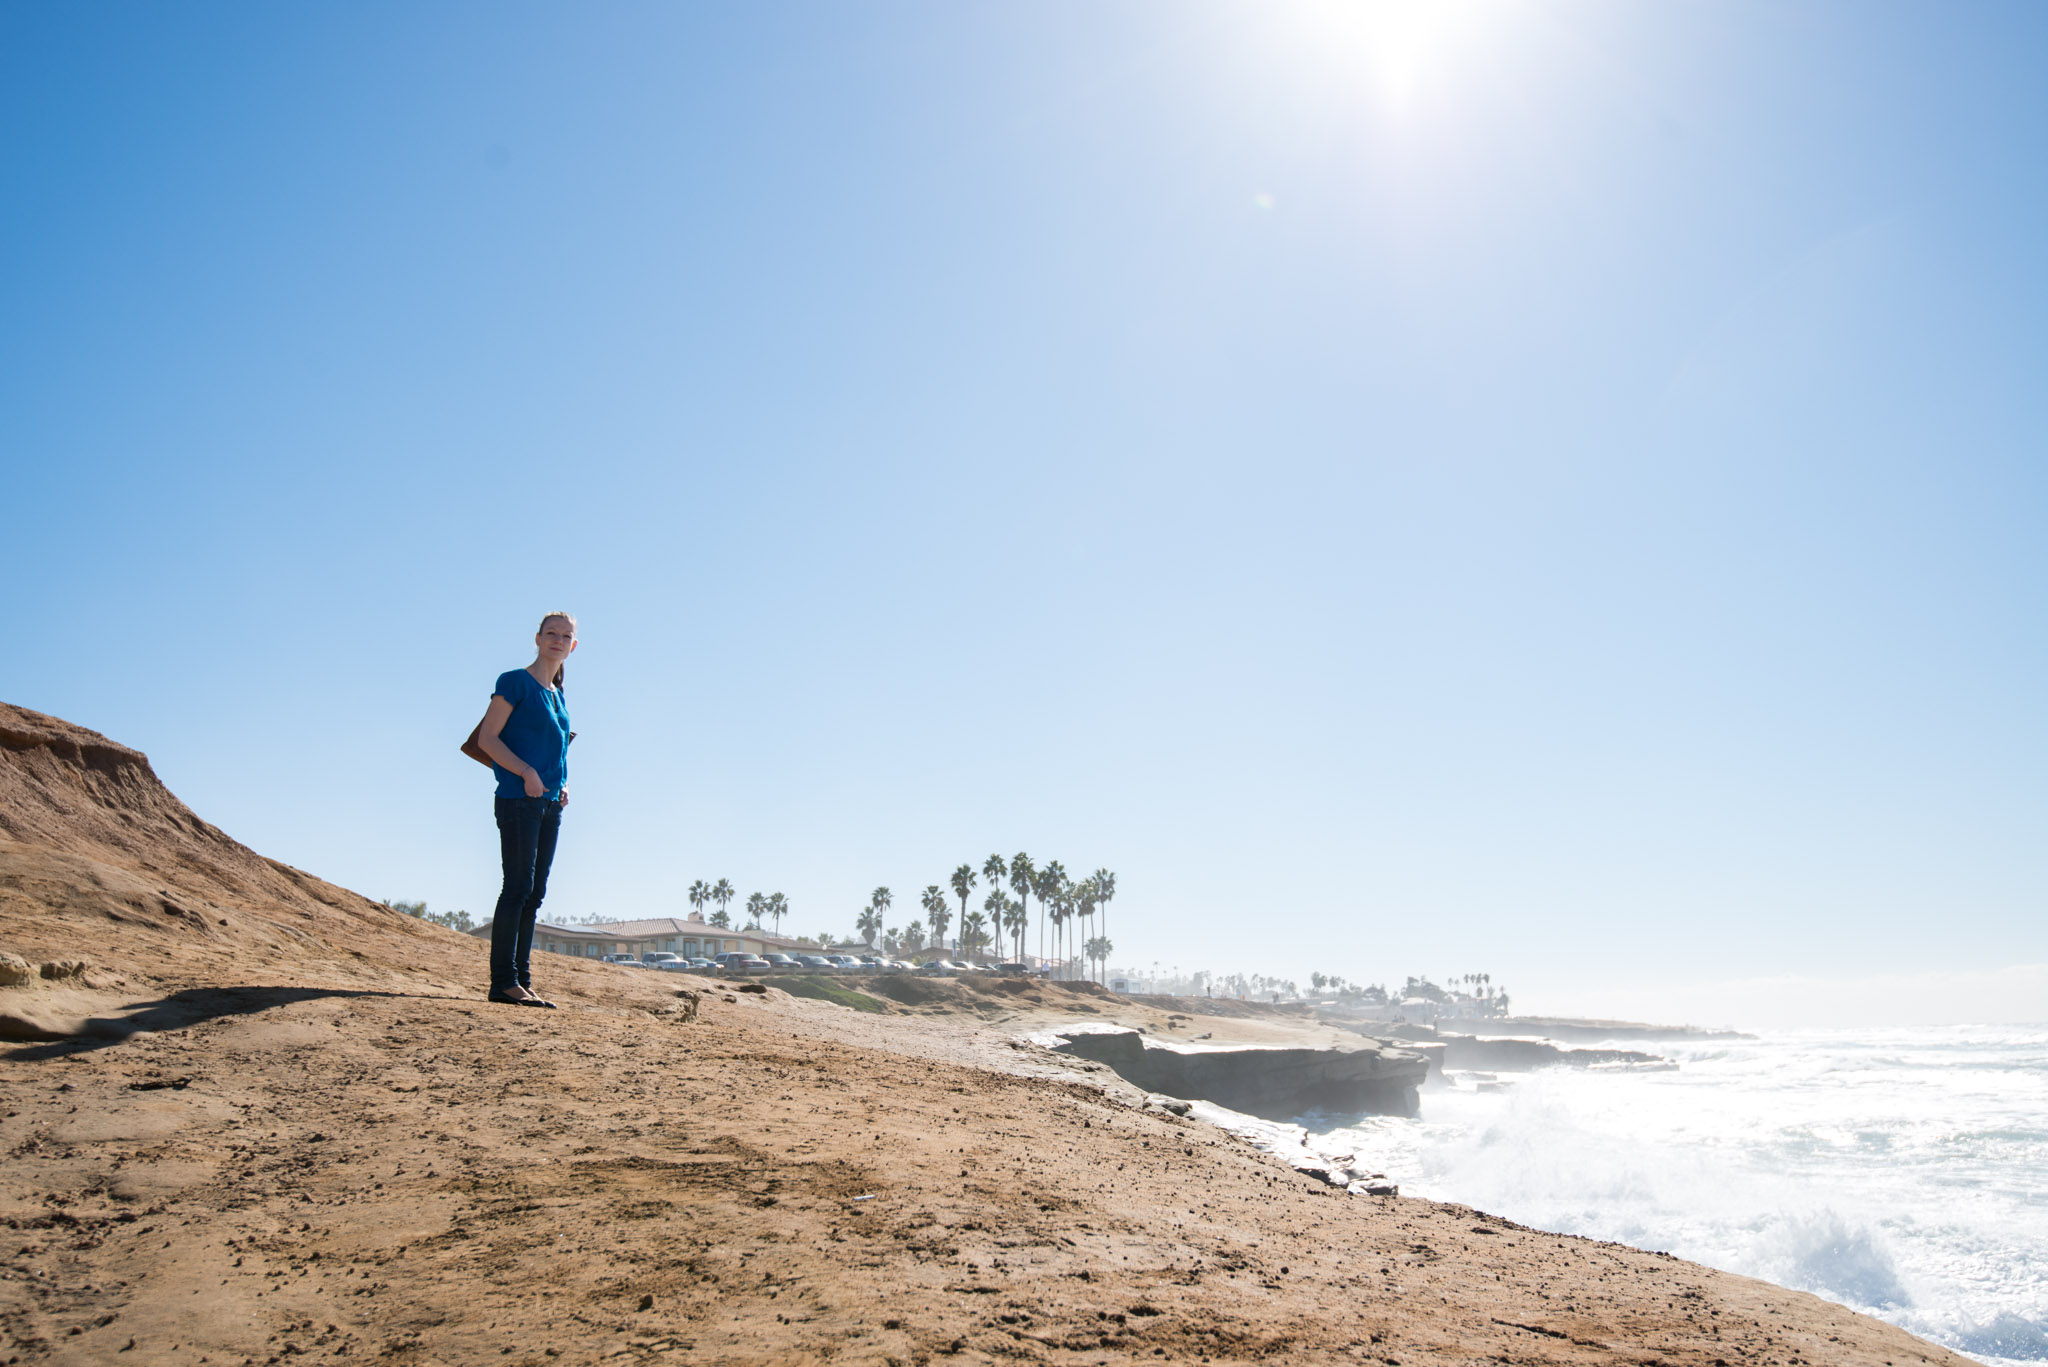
{"type": "Point", "coordinates": [828, 991]}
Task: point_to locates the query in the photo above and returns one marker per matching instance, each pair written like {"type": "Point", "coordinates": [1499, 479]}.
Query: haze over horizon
{"type": "Point", "coordinates": [1554, 491]}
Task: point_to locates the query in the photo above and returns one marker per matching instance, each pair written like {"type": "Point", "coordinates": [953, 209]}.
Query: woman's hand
{"type": "Point", "coordinates": [534, 787]}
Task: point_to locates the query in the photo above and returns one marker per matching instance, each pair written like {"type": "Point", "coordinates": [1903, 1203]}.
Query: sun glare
{"type": "Point", "coordinates": [1402, 50]}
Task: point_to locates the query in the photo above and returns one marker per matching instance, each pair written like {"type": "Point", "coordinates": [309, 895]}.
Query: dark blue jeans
{"type": "Point", "coordinates": [527, 828]}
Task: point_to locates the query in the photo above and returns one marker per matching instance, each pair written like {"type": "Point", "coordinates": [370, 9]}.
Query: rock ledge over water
{"type": "Point", "coordinates": [1273, 1083]}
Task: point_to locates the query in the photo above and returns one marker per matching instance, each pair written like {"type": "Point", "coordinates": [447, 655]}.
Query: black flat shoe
{"type": "Point", "coordinates": [504, 1000]}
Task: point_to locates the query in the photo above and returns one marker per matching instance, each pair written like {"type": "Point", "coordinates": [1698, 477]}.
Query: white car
{"type": "Point", "coordinates": [847, 963]}
{"type": "Point", "coordinates": [661, 958]}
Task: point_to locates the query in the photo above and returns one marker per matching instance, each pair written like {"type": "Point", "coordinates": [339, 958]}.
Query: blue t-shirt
{"type": "Point", "coordinates": [537, 732]}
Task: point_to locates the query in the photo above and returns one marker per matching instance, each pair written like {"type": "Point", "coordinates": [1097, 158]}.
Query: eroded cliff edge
{"type": "Point", "coordinates": [1274, 1084]}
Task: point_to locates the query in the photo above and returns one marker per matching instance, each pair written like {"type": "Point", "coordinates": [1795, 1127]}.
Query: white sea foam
{"type": "Point", "coordinates": [1901, 1172]}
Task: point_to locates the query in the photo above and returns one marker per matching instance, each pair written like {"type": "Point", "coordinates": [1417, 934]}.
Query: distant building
{"type": "Point", "coordinates": [690, 937]}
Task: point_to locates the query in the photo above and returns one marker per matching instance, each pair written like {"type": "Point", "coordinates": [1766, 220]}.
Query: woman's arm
{"type": "Point", "coordinates": [495, 717]}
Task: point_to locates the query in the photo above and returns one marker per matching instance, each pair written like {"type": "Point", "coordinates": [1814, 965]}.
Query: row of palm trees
{"type": "Point", "coordinates": [760, 906]}
{"type": "Point", "coordinates": [1062, 901]}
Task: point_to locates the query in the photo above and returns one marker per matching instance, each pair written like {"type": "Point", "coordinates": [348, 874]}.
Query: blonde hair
{"type": "Point", "coordinates": [568, 617]}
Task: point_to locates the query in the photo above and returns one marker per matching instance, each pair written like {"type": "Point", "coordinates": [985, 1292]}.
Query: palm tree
{"type": "Point", "coordinates": [1049, 884]}
{"type": "Point", "coordinates": [700, 893]}
{"type": "Point", "coordinates": [1063, 912]}
{"type": "Point", "coordinates": [938, 913]}
{"type": "Point", "coordinates": [1084, 907]}
{"type": "Point", "coordinates": [880, 899]}
{"type": "Point", "coordinates": [994, 870]}
{"type": "Point", "coordinates": [778, 907]}
{"type": "Point", "coordinates": [1105, 890]}
{"type": "Point", "coordinates": [722, 893]}
{"type": "Point", "coordinates": [1012, 921]}
{"type": "Point", "coordinates": [756, 904]}
{"type": "Point", "coordinates": [1020, 883]}
{"type": "Point", "coordinates": [973, 933]}
{"type": "Point", "coordinates": [992, 908]}
{"type": "Point", "coordinates": [869, 924]}
{"type": "Point", "coordinates": [911, 937]}
{"type": "Point", "coordinates": [721, 920]}
{"type": "Point", "coordinates": [963, 883]}
{"type": "Point", "coordinates": [1099, 949]}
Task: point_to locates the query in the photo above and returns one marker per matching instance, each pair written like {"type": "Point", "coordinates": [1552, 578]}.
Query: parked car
{"type": "Point", "coordinates": [817, 963]}
{"type": "Point", "coordinates": [894, 965]}
{"type": "Point", "coordinates": [941, 968]}
{"type": "Point", "coordinates": [704, 966]}
{"type": "Point", "coordinates": [661, 958]}
{"type": "Point", "coordinates": [782, 963]}
{"type": "Point", "coordinates": [1014, 970]}
{"type": "Point", "coordinates": [846, 963]}
{"type": "Point", "coordinates": [736, 964]}
{"type": "Point", "coordinates": [629, 960]}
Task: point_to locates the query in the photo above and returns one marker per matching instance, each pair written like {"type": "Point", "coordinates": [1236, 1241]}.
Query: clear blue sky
{"type": "Point", "coordinates": [1554, 490]}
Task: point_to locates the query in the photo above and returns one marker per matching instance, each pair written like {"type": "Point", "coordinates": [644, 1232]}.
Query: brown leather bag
{"type": "Point", "coordinates": [474, 750]}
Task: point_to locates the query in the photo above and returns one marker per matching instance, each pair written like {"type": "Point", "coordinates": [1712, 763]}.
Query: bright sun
{"type": "Point", "coordinates": [1401, 48]}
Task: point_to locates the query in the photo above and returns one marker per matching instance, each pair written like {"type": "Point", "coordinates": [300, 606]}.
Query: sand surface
{"type": "Point", "coordinates": [276, 1123]}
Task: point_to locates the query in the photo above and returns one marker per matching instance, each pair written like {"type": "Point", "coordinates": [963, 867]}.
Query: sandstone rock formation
{"type": "Point", "coordinates": [1276, 1084]}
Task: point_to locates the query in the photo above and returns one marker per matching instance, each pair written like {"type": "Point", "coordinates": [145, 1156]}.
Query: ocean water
{"type": "Point", "coordinates": [1903, 1172]}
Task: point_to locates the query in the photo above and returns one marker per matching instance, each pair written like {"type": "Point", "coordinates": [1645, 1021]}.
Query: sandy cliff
{"type": "Point", "coordinates": [276, 1123]}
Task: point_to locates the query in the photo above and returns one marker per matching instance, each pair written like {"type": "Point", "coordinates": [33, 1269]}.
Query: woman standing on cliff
{"type": "Point", "coordinates": [526, 734]}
